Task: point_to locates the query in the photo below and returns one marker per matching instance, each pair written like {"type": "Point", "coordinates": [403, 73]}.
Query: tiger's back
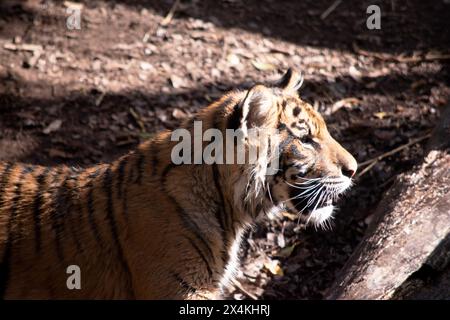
{"type": "Point", "coordinates": [119, 223]}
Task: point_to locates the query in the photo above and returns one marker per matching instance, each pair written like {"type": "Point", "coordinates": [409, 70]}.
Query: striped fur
{"type": "Point", "coordinates": [141, 227]}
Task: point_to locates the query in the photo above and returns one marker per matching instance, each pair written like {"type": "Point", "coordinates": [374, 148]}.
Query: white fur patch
{"type": "Point", "coordinates": [319, 216]}
{"type": "Point", "coordinates": [233, 261]}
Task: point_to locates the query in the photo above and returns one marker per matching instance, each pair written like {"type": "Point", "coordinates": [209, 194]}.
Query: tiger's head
{"type": "Point", "coordinates": [313, 168]}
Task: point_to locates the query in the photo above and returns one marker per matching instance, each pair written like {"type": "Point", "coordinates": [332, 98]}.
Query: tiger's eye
{"type": "Point", "coordinates": [306, 138]}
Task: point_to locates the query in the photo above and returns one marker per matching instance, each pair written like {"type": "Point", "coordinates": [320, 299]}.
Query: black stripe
{"type": "Point", "coordinates": [55, 175]}
{"type": "Point", "coordinates": [107, 188]}
{"type": "Point", "coordinates": [298, 155]}
{"type": "Point", "coordinates": [291, 136]}
{"type": "Point", "coordinates": [90, 206]}
{"type": "Point", "coordinates": [125, 203]}
{"type": "Point", "coordinates": [200, 253]}
{"type": "Point", "coordinates": [221, 214]}
{"type": "Point", "coordinates": [4, 180]}
{"type": "Point", "coordinates": [5, 262]}
{"type": "Point", "coordinates": [284, 143]}
{"type": "Point", "coordinates": [314, 144]}
{"type": "Point", "coordinates": [38, 200]}
{"type": "Point", "coordinates": [120, 175]}
{"type": "Point", "coordinates": [234, 119]}
{"type": "Point", "coordinates": [220, 218]}
{"type": "Point", "coordinates": [166, 171]}
{"type": "Point", "coordinates": [283, 127]}
{"type": "Point", "coordinates": [284, 81]}
{"type": "Point", "coordinates": [192, 226]}
{"type": "Point", "coordinates": [258, 209]}
{"type": "Point", "coordinates": [219, 115]}
{"type": "Point", "coordinates": [6, 168]}
{"type": "Point", "coordinates": [95, 174]}
{"type": "Point", "coordinates": [155, 160]}
{"type": "Point", "coordinates": [140, 166]}
{"type": "Point", "coordinates": [188, 223]}
{"type": "Point", "coordinates": [76, 213]}
{"type": "Point", "coordinates": [122, 190]}
{"type": "Point", "coordinates": [29, 169]}
{"type": "Point", "coordinates": [186, 286]}
{"type": "Point", "coordinates": [124, 197]}
{"type": "Point", "coordinates": [229, 213]}
{"type": "Point", "coordinates": [62, 206]}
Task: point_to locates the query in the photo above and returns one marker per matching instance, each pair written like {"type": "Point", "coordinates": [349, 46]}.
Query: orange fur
{"type": "Point", "coordinates": [140, 227]}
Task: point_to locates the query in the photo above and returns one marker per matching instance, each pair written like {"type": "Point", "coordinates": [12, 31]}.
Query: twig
{"type": "Point", "coordinates": [99, 99]}
{"type": "Point", "coordinates": [23, 47]}
{"type": "Point", "coordinates": [138, 120]}
{"type": "Point", "coordinates": [372, 162]}
{"type": "Point", "coordinates": [330, 9]}
{"type": "Point", "coordinates": [366, 169]}
{"type": "Point", "coordinates": [429, 56]}
{"type": "Point", "coordinates": [168, 18]}
{"type": "Point", "coordinates": [238, 285]}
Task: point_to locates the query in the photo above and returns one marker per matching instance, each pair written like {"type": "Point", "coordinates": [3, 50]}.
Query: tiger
{"type": "Point", "coordinates": [144, 227]}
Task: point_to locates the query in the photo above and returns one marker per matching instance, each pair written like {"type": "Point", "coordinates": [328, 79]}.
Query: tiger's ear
{"type": "Point", "coordinates": [290, 81]}
{"type": "Point", "coordinates": [257, 107]}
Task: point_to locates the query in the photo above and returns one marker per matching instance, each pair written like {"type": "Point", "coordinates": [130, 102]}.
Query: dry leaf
{"type": "Point", "coordinates": [56, 153]}
{"type": "Point", "coordinates": [290, 216]}
{"type": "Point", "coordinates": [434, 55]}
{"type": "Point", "coordinates": [176, 82]}
{"type": "Point", "coordinates": [274, 267]}
{"type": "Point", "coordinates": [53, 126]}
{"type": "Point", "coordinates": [287, 251]}
{"type": "Point", "coordinates": [380, 115]}
{"type": "Point", "coordinates": [145, 66]}
{"type": "Point", "coordinates": [347, 103]}
{"type": "Point", "coordinates": [146, 135]}
{"type": "Point", "coordinates": [233, 59]}
{"type": "Point", "coordinates": [161, 115]}
{"type": "Point", "coordinates": [262, 66]}
{"type": "Point", "coordinates": [74, 5]}
{"type": "Point", "coordinates": [138, 119]}
{"type": "Point", "coordinates": [354, 73]}
{"type": "Point", "coordinates": [281, 241]}
{"type": "Point", "coordinates": [179, 114]}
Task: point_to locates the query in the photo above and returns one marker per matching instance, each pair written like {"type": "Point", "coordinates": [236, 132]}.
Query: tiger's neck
{"type": "Point", "coordinates": [191, 209]}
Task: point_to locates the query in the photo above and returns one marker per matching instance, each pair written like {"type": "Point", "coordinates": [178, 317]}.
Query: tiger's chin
{"type": "Point", "coordinates": [320, 217]}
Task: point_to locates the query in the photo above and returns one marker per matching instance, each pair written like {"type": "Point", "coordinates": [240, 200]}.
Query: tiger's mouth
{"type": "Point", "coordinates": [306, 205]}
{"type": "Point", "coordinates": [314, 199]}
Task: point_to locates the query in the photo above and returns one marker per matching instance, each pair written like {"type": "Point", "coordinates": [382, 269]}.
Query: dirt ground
{"type": "Point", "coordinates": [84, 96]}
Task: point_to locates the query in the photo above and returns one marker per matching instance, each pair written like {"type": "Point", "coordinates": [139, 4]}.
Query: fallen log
{"type": "Point", "coordinates": [406, 250]}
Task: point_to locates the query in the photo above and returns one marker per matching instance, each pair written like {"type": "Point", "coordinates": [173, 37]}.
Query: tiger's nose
{"type": "Point", "coordinates": [344, 160]}
{"type": "Point", "coordinates": [349, 166]}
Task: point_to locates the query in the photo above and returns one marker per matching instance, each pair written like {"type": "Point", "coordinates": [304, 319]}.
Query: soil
{"type": "Point", "coordinates": [86, 96]}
